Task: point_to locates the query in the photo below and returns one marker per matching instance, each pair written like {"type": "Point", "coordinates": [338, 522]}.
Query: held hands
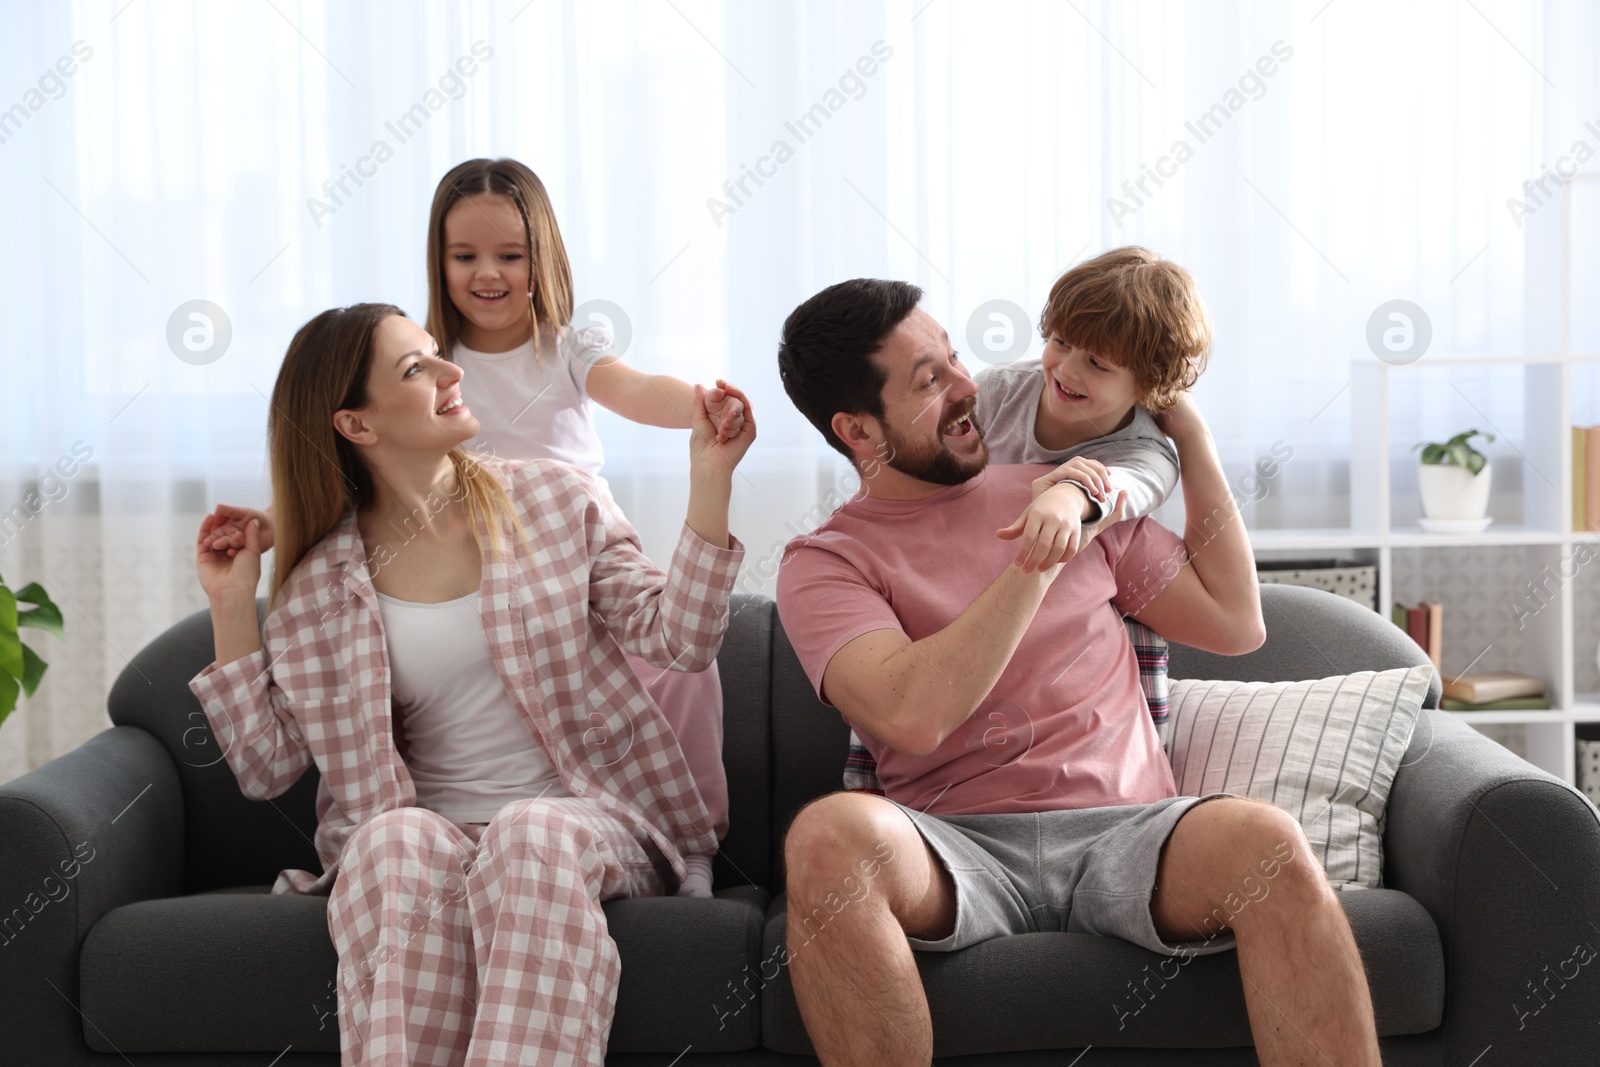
{"type": "Point", "coordinates": [1051, 531]}
{"type": "Point", "coordinates": [227, 531]}
{"type": "Point", "coordinates": [726, 411]}
{"type": "Point", "coordinates": [226, 568]}
{"type": "Point", "coordinates": [719, 438]}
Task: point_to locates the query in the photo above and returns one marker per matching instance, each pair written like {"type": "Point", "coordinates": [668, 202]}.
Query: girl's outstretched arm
{"type": "Point", "coordinates": [660, 399]}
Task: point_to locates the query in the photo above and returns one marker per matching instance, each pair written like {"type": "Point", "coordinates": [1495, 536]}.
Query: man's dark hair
{"type": "Point", "coordinates": [825, 355]}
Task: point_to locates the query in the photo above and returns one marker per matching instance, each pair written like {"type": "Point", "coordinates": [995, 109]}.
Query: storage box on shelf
{"type": "Point", "coordinates": [1535, 522]}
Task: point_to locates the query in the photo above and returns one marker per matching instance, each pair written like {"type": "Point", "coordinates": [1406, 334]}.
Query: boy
{"type": "Point", "coordinates": [1125, 335]}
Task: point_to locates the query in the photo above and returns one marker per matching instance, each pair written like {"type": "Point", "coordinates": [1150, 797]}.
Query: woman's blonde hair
{"type": "Point", "coordinates": [549, 272]}
{"type": "Point", "coordinates": [318, 477]}
{"type": "Point", "coordinates": [1139, 311]}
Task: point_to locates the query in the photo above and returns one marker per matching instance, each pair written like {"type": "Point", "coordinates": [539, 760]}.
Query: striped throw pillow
{"type": "Point", "coordinates": [1325, 750]}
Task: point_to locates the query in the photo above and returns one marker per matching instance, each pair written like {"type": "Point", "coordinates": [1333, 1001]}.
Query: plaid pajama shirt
{"type": "Point", "coordinates": [519, 958]}
{"type": "Point", "coordinates": [1149, 648]}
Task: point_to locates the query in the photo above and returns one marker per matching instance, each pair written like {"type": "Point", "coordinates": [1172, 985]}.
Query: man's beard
{"type": "Point", "coordinates": [935, 462]}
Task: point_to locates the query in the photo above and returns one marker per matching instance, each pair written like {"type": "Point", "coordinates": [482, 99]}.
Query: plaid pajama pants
{"type": "Point", "coordinates": [484, 944]}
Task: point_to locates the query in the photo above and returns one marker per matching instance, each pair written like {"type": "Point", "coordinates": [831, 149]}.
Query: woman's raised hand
{"type": "Point", "coordinates": [228, 533]}
{"type": "Point", "coordinates": [726, 412]}
{"type": "Point", "coordinates": [227, 569]}
{"type": "Point", "coordinates": [706, 446]}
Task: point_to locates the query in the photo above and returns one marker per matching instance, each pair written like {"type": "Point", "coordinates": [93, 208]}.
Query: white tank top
{"type": "Point", "coordinates": [468, 750]}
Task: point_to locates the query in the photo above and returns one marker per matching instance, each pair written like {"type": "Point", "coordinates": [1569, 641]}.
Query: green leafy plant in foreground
{"type": "Point", "coordinates": [1456, 451]}
{"type": "Point", "coordinates": [20, 666]}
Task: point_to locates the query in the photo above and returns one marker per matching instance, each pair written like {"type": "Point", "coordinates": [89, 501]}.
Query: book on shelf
{"type": "Point", "coordinates": [1580, 480]}
{"type": "Point", "coordinates": [1511, 704]}
{"type": "Point", "coordinates": [1424, 624]}
{"type": "Point", "coordinates": [1417, 625]}
{"type": "Point", "coordinates": [1481, 687]}
{"type": "Point", "coordinates": [1435, 645]}
{"type": "Point", "coordinates": [1591, 478]}
{"type": "Point", "coordinates": [1585, 478]}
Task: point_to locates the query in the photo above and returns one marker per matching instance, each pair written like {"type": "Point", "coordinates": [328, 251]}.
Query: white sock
{"type": "Point", "coordinates": [697, 882]}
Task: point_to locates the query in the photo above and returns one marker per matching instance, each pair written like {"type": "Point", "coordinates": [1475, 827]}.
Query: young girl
{"type": "Point", "coordinates": [500, 306]}
{"type": "Point", "coordinates": [445, 642]}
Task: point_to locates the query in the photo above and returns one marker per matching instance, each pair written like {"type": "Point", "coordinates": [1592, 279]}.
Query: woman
{"type": "Point", "coordinates": [488, 784]}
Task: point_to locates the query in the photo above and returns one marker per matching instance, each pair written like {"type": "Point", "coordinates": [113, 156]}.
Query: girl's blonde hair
{"type": "Point", "coordinates": [318, 477]}
{"type": "Point", "coordinates": [549, 272]}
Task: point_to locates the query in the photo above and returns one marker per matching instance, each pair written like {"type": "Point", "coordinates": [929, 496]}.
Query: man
{"type": "Point", "coordinates": [1025, 787]}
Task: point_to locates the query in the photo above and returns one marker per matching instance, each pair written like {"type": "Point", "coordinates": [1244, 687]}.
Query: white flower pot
{"type": "Point", "coordinates": [1452, 492]}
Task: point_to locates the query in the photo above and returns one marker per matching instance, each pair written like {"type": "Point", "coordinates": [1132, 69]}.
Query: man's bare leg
{"type": "Point", "coordinates": [1304, 984]}
{"type": "Point", "coordinates": [854, 975]}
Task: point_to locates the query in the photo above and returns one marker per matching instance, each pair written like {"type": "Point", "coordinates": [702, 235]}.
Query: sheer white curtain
{"type": "Point", "coordinates": [713, 164]}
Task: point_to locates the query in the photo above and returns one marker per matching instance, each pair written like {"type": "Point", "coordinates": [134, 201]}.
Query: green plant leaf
{"type": "Point", "coordinates": [1460, 455]}
{"type": "Point", "coordinates": [8, 696]}
{"type": "Point", "coordinates": [1433, 454]}
{"type": "Point", "coordinates": [33, 669]}
{"type": "Point", "coordinates": [1461, 438]}
{"type": "Point", "coordinates": [1475, 463]}
{"type": "Point", "coordinates": [10, 645]}
{"type": "Point", "coordinates": [44, 614]}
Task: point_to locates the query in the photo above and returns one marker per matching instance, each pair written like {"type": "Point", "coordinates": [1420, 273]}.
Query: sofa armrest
{"type": "Point", "coordinates": [91, 831]}
{"type": "Point", "coordinates": [1506, 858]}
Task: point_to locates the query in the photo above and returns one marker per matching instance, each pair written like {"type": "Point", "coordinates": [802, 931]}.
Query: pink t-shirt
{"type": "Point", "coordinates": [1066, 725]}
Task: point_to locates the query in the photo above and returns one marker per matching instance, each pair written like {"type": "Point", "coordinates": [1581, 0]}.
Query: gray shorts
{"type": "Point", "coordinates": [1088, 870]}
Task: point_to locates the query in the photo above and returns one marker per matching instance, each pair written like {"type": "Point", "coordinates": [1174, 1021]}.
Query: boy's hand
{"type": "Point", "coordinates": [1079, 468]}
{"type": "Point", "coordinates": [1181, 419]}
{"type": "Point", "coordinates": [726, 412]}
{"type": "Point", "coordinates": [1051, 529]}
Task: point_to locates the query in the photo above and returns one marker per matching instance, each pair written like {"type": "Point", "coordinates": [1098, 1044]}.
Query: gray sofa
{"type": "Point", "coordinates": [139, 929]}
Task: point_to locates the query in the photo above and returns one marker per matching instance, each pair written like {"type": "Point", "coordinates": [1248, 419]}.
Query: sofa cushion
{"type": "Point", "coordinates": [242, 970]}
{"type": "Point", "coordinates": [228, 971]}
{"type": "Point", "coordinates": [1324, 750]}
{"type": "Point", "coordinates": [1063, 990]}
{"type": "Point", "coordinates": [745, 668]}
{"type": "Point", "coordinates": [228, 839]}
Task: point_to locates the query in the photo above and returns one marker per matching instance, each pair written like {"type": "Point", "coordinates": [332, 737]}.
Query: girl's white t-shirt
{"type": "Point", "coordinates": [467, 748]}
{"type": "Point", "coordinates": [531, 408]}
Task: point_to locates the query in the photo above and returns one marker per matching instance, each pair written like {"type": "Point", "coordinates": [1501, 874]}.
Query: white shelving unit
{"type": "Point", "coordinates": [1544, 535]}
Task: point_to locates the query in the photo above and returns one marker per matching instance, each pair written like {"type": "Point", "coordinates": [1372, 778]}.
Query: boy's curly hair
{"type": "Point", "coordinates": [1139, 311]}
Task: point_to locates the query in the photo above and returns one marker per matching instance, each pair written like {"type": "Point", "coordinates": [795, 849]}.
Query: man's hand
{"type": "Point", "coordinates": [1051, 529]}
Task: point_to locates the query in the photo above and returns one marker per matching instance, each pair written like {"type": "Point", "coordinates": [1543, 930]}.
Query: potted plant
{"type": "Point", "coordinates": [20, 666]}
{"type": "Point", "coordinates": [1454, 481]}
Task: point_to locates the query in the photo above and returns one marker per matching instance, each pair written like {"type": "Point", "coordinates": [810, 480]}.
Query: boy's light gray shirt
{"type": "Point", "coordinates": [1140, 457]}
